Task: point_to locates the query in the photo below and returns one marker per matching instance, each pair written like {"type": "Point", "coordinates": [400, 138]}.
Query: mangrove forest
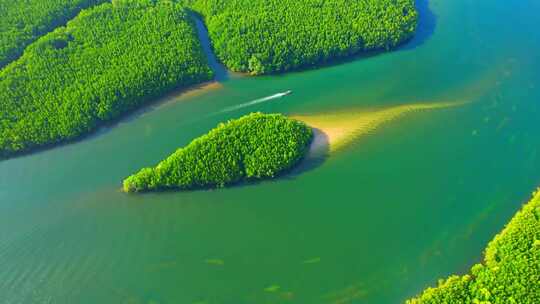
{"type": "Point", "coordinates": [253, 147]}
{"type": "Point", "coordinates": [22, 22]}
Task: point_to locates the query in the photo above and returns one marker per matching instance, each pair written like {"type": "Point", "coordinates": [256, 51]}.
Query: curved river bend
{"type": "Point", "coordinates": [375, 222]}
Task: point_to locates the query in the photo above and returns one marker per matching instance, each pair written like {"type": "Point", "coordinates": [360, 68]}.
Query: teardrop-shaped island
{"type": "Point", "coordinates": [253, 147]}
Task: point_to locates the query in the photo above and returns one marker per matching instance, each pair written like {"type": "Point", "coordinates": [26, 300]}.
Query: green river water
{"type": "Point", "coordinates": [376, 222]}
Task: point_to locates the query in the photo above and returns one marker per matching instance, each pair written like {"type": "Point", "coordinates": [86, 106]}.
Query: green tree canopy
{"type": "Point", "coordinates": [256, 146]}
{"type": "Point", "coordinates": [22, 22]}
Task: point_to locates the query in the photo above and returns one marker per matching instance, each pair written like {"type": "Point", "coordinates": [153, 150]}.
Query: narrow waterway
{"type": "Point", "coordinates": [220, 71]}
{"type": "Point", "coordinates": [374, 222]}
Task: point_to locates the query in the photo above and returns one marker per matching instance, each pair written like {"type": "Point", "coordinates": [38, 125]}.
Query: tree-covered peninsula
{"type": "Point", "coordinates": [256, 146]}
{"type": "Point", "coordinates": [22, 22]}
{"type": "Point", "coordinates": [510, 273]}
{"type": "Point", "coordinates": [270, 36]}
{"type": "Point", "coordinates": [106, 61]}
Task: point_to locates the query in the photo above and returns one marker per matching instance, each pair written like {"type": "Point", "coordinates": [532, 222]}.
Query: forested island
{"type": "Point", "coordinates": [108, 60]}
{"type": "Point", "coordinates": [510, 272]}
{"type": "Point", "coordinates": [254, 147]}
{"type": "Point", "coordinates": [116, 56]}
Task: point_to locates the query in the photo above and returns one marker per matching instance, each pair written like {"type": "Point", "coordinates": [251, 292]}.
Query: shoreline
{"type": "Point", "coordinates": [169, 98]}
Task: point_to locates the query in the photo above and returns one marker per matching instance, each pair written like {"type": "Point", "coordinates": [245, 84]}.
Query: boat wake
{"type": "Point", "coordinates": [256, 101]}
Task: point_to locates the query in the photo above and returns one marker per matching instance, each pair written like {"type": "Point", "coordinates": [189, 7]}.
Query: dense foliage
{"type": "Point", "coordinates": [267, 36]}
{"type": "Point", "coordinates": [106, 61]}
{"type": "Point", "coordinates": [256, 146]}
{"type": "Point", "coordinates": [22, 22]}
{"type": "Point", "coordinates": [510, 273]}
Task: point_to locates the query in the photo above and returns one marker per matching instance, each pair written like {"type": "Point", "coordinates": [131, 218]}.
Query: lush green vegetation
{"type": "Point", "coordinates": [106, 61]}
{"type": "Point", "coordinates": [253, 147]}
{"type": "Point", "coordinates": [22, 22]}
{"type": "Point", "coordinates": [511, 270]}
{"type": "Point", "coordinates": [268, 36]}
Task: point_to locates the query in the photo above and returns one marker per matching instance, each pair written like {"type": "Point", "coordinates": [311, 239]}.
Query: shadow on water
{"type": "Point", "coordinates": [220, 72]}
{"type": "Point", "coordinates": [316, 156]}
{"type": "Point", "coordinates": [427, 22]}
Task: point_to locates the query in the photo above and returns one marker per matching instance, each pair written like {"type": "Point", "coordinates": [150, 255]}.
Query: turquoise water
{"type": "Point", "coordinates": [414, 201]}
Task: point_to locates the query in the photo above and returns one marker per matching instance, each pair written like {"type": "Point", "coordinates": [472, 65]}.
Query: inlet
{"type": "Point", "coordinates": [220, 72]}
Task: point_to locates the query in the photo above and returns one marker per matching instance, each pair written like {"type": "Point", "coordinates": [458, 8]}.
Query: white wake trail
{"type": "Point", "coordinates": [253, 102]}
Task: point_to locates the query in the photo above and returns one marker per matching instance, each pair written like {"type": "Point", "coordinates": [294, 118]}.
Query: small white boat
{"type": "Point", "coordinates": [288, 92]}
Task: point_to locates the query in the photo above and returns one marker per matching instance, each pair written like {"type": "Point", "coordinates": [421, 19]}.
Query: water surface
{"type": "Point", "coordinates": [373, 223]}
